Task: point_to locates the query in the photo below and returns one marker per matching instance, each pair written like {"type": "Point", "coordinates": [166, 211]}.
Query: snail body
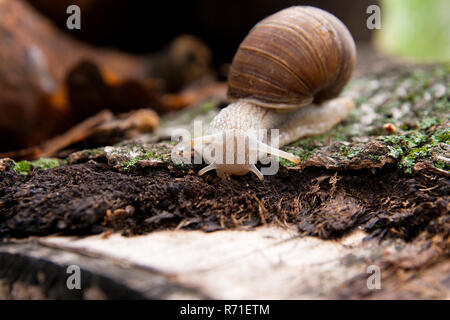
{"type": "Point", "coordinates": [286, 75]}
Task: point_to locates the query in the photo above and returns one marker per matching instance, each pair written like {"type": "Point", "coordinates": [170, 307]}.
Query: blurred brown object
{"type": "Point", "coordinates": [36, 59]}
{"type": "Point", "coordinates": [193, 95]}
{"type": "Point", "coordinates": [185, 60]}
{"type": "Point", "coordinates": [89, 90]}
{"type": "Point", "coordinates": [389, 128]}
{"type": "Point", "coordinates": [101, 129]}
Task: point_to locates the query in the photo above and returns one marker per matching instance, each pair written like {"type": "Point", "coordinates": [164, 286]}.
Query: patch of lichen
{"type": "Point", "coordinates": [303, 154]}
{"type": "Point", "coordinates": [411, 146]}
{"type": "Point", "coordinates": [130, 164]}
{"type": "Point", "coordinates": [414, 99]}
{"type": "Point", "coordinates": [94, 152]}
{"type": "Point", "coordinates": [349, 151]}
{"type": "Point", "coordinates": [159, 152]}
{"type": "Point", "coordinates": [24, 167]}
{"type": "Point", "coordinates": [305, 148]}
{"type": "Point", "coordinates": [405, 97]}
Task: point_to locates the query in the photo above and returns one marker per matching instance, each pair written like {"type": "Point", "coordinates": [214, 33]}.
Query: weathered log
{"type": "Point", "coordinates": [362, 196]}
{"type": "Point", "coordinates": [274, 263]}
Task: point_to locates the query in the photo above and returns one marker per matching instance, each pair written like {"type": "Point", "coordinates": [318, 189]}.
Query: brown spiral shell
{"type": "Point", "coordinates": [294, 57]}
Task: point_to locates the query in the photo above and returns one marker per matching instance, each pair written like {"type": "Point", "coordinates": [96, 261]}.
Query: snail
{"type": "Point", "coordinates": [287, 74]}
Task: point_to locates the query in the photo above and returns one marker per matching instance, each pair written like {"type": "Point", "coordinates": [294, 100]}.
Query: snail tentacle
{"type": "Point", "coordinates": [258, 173]}
{"type": "Point", "coordinates": [209, 167]}
{"type": "Point", "coordinates": [213, 138]}
{"type": "Point", "coordinates": [265, 148]}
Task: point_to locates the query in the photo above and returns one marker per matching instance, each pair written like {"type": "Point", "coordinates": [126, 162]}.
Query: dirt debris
{"type": "Point", "coordinates": [92, 197]}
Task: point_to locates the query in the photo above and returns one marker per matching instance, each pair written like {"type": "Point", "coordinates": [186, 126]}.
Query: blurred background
{"type": "Point", "coordinates": [146, 26]}
{"type": "Point", "coordinates": [159, 54]}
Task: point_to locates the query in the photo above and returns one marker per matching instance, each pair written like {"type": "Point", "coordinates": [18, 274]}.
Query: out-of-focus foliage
{"type": "Point", "coordinates": [415, 28]}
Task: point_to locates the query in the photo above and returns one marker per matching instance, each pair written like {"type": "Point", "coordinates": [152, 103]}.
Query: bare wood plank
{"type": "Point", "coordinates": [29, 270]}
{"type": "Point", "coordinates": [266, 263]}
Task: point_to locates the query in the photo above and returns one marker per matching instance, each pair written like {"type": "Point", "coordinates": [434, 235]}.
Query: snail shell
{"type": "Point", "coordinates": [294, 57]}
{"type": "Point", "coordinates": [298, 61]}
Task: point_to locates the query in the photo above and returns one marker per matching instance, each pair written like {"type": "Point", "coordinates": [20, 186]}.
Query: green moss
{"type": "Point", "coordinates": [131, 163]}
{"type": "Point", "coordinates": [22, 167]}
{"type": "Point", "coordinates": [94, 152]}
{"type": "Point", "coordinates": [349, 152]}
{"type": "Point", "coordinates": [414, 145]}
{"type": "Point", "coordinates": [353, 152]}
{"type": "Point", "coordinates": [304, 154]}
{"type": "Point", "coordinates": [427, 122]}
{"type": "Point", "coordinates": [441, 135]}
{"type": "Point", "coordinates": [394, 151]}
{"type": "Point", "coordinates": [408, 100]}
{"type": "Point", "coordinates": [405, 97]}
{"type": "Point", "coordinates": [407, 162]}
{"type": "Point", "coordinates": [441, 165]}
{"type": "Point", "coordinates": [45, 163]}
{"type": "Point", "coordinates": [408, 140]}
{"type": "Point", "coordinates": [375, 157]}
{"type": "Point", "coordinates": [306, 147]}
{"type": "Point", "coordinates": [154, 155]}
{"type": "Point", "coordinates": [181, 165]}
{"type": "Point", "coordinates": [286, 163]}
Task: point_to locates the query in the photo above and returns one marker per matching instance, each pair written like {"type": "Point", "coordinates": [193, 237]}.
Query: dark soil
{"type": "Point", "coordinates": [93, 197]}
